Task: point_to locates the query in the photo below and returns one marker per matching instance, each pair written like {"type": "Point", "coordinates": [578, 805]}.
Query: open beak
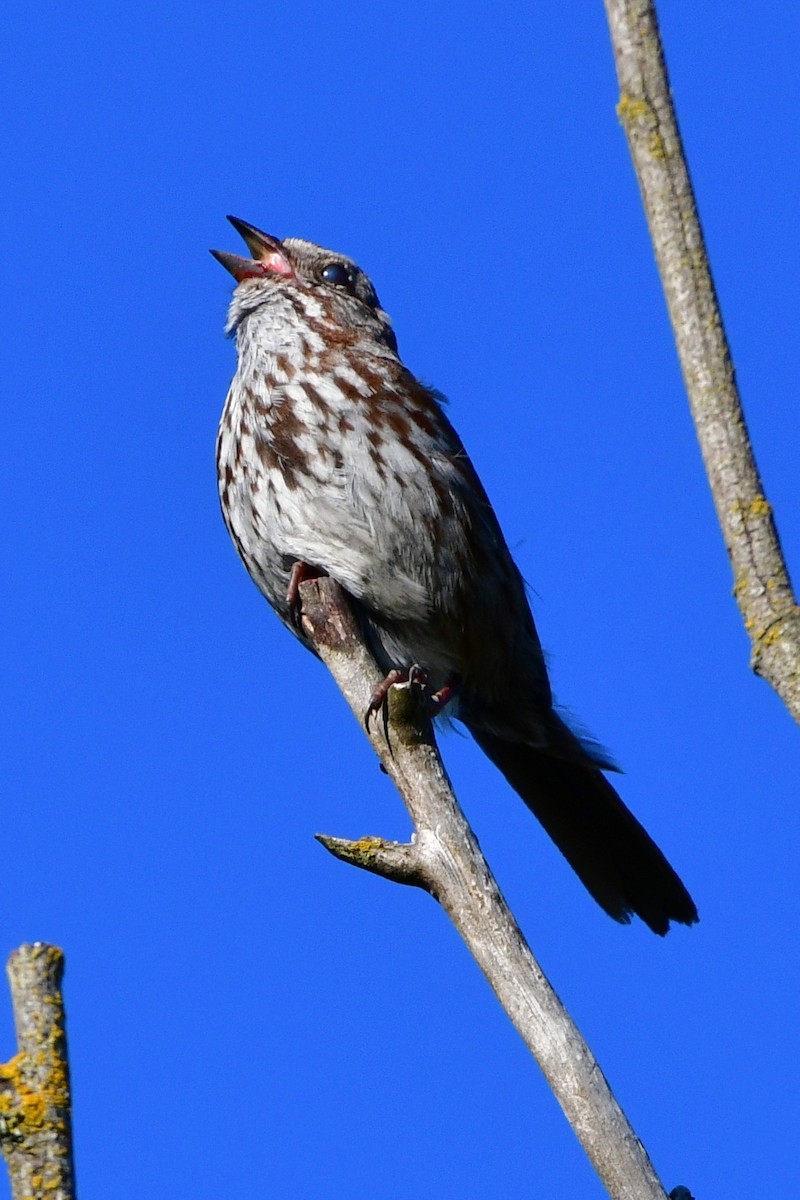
{"type": "Point", "coordinates": [269, 256]}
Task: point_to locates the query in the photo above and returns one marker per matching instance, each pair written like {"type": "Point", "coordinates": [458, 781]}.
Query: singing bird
{"type": "Point", "coordinates": [333, 459]}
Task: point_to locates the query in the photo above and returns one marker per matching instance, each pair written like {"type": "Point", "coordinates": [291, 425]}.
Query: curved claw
{"type": "Point", "coordinates": [378, 699]}
{"type": "Point", "coordinates": [301, 573]}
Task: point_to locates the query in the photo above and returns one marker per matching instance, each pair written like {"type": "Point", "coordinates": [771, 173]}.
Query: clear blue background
{"type": "Point", "coordinates": [246, 1015]}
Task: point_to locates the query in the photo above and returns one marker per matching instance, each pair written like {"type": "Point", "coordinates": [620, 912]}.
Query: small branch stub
{"type": "Point", "coordinates": [35, 1113]}
{"type": "Point", "coordinates": [397, 861]}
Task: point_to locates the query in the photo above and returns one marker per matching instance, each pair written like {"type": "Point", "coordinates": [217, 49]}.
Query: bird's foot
{"type": "Point", "coordinates": [378, 699]}
{"type": "Point", "coordinates": [440, 700]}
{"type": "Point", "coordinates": [436, 701]}
{"type": "Point", "coordinates": [301, 573]}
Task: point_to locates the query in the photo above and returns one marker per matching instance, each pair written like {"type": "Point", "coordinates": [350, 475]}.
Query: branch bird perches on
{"type": "Point", "coordinates": [444, 859]}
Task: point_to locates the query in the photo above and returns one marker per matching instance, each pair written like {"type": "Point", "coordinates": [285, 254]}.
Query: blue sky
{"type": "Point", "coordinates": [246, 1015]}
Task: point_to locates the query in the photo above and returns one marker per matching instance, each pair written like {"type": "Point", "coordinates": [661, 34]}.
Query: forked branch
{"type": "Point", "coordinates": [761, 581]}
{"type": "Point", "coordinates": [445, 860]}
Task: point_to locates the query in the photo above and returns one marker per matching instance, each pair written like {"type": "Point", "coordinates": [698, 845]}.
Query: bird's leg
{"type": "Point", "coordinates": [301, 573]}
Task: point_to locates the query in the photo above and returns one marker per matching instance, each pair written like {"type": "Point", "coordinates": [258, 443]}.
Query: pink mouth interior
{"type": "Point", "coordinates": [276, 264]}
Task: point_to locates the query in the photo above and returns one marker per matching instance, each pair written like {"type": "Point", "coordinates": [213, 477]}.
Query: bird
{"type": "Point", "coordinates": [333, 459]}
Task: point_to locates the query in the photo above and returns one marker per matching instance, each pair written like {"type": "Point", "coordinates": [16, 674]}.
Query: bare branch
{"type": "Point", "coordinates": [761, 580]}
{"type": "Point", "coordinates": [35, 1122]}
{"type": "Point", "coordinates": [445, 859]}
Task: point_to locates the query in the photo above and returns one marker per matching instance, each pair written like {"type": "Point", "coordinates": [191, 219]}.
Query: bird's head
{"type": "Point", "coordinates": [297, 279]}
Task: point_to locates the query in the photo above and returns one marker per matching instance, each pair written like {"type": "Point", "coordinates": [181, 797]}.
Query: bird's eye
{"type": "Point", "coordinates": [339, 275]}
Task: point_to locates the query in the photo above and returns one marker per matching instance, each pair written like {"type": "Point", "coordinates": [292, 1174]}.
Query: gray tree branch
{"type": "Point", "coordinates": [761, 580]}
{"type": "Point", "coordinates": [444, 859]}
{"type": "Point", "coordinates": [35, 1112]}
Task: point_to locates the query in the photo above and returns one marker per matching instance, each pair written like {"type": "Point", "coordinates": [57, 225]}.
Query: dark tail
{"type": "Point", "coordinates": [602, 841]}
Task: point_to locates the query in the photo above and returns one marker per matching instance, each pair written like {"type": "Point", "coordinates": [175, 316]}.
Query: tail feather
{"type": "Point", "coordinates": [600, 838]}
